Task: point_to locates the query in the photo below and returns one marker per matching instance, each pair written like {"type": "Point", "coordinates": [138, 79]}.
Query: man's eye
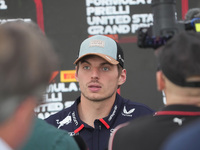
{"type": "Point", "coordinates": [86, 67]}
{"type": "Point", "coordinates": [105, 68]}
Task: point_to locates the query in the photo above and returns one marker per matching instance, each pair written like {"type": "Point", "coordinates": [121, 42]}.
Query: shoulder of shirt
{"type": "Point", "coordinates": [61, 114]}
{"type": "Point", "coordinates": [141, 123]}
{"type": "Point", "coordinates": [130, 103]}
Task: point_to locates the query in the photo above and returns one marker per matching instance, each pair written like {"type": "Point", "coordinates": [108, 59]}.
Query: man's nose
{"type": "Point", "coordinates": [95, 73]}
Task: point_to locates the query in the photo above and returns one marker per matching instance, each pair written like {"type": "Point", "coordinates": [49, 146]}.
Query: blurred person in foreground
{"type": "Point", "coordinates": [26, 63]}
{"type": "Point", "coordinates": [99, 109]}
{"type": "Point", "coordinates": [188, 137]}
{"type": "Point", "coordinates": [179, 78]}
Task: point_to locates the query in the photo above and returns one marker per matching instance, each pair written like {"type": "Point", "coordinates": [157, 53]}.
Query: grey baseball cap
{"type": "Point", "coordinates": [102, 46]}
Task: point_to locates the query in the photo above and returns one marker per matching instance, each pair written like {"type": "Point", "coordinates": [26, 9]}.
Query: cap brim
{"type": "Point", "coordinates": [106, 57]}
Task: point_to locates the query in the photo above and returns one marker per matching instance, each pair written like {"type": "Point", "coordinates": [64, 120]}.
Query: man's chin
{"type": "Point", "coordinates": [97, 97]}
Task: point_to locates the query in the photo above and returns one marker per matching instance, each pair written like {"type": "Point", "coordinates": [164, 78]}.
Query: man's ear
{"type": "Point", "coordinates": [122, 77]}
{"type": "Point", "coordinates": [160, 80]}
{"type": "Point", "coordinates": [26, 109]}
{"type": "Point", "coordinates": [76, 73]}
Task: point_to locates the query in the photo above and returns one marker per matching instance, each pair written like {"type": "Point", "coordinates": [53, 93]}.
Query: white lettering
{"type": "Point", "coordinates": [9, 20]}
{"type": "Point", "coordinates": [95, 30]}
{"type": "Point", "coordinates": [115, 29]}
{"type": "Point", "coordinates": [105, 20]}
{"type": "Point", "coordinates": [45, 115]}
{"type": "Point", "coordinates": [51, 97]}
{"type": "Point", "coordinates": [116, 2]}
{"type": "Point", "coordinates": [109, 10]}
{"type": "Point", "coordinates": [61, 87]}
{"type": "Point", "coordinates": [74, 118]}
{"type": "Point", "coordinates": [50, 107]}
{"type": "Point", "coordinates": [142, 18]}
{"type": "Point", "coordinates": [135, 27]}
{"type": "Point", "coordinates": [73, 87]}
{"type": "Point", "coordinates": [3, 5]}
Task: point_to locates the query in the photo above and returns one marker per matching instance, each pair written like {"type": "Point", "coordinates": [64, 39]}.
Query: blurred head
{"type": "Point", "coordinates": [180, 64]}
{"type": "Point", "coordinates": [26, 63]}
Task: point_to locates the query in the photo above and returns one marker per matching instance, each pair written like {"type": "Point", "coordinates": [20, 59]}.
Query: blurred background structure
{"type": "Point", "coordinates": [68, 22]}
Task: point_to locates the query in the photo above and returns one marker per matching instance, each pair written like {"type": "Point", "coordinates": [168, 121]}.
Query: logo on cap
{"type": "Point", "coordinates": [120, 58]}
{"type": "Point", "coordinates": [108, 57]}
{"type": "Point", "coordinates": [97, 43]}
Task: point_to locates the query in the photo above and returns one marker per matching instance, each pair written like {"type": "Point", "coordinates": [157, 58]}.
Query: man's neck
{"type": "Point", "coordinates": [8, 135]}
{"type": "Point", "coordinates": [184, 100]}
{"type": "Point", "coordinates": [89, 110]}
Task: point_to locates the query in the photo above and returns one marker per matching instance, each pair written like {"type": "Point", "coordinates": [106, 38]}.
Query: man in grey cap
{"type": "Point", "coordinates": [179, 78]}
{"type": "Point", "coordinates": [94, 115]}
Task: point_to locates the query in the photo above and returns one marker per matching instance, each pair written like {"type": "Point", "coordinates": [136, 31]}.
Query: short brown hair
{"type": "Point", "coordinates": [27, 60]}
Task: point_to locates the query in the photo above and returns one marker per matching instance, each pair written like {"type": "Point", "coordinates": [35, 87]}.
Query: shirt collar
{"type": "Point", "coordinates": [106, 121]}
{"type": "Point", "coordinates": [114, 111]}
{"type": "Point", "coordinates": [4, 145]}
{"type": "Point", "coordinates": [186, 110]}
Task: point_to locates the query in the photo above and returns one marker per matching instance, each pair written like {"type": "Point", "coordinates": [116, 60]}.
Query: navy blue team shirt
{"type": "Point", "coordinates": [97, 138]}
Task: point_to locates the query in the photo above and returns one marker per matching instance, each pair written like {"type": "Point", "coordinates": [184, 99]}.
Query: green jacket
{"type": "Point", "coordinates": [46, 137]}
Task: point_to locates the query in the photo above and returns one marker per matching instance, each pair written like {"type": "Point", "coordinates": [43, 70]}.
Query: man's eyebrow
{"type": "Point", "coordinates": [104, 63]}
{"type": "Point", "coordinates": [84, 61]}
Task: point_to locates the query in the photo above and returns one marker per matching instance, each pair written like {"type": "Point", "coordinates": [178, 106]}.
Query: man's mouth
{"type": "Point", "coordinates": [94, 87]}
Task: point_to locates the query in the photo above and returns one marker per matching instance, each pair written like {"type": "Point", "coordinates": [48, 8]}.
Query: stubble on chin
{"type": "Point", "coordinates": [97, 98]}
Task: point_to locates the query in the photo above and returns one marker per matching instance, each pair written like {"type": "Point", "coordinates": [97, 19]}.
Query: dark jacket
{"type": "Point", "coordinates": [148, 133]}
{"type": "Point", "coordinates": [97, 138]}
